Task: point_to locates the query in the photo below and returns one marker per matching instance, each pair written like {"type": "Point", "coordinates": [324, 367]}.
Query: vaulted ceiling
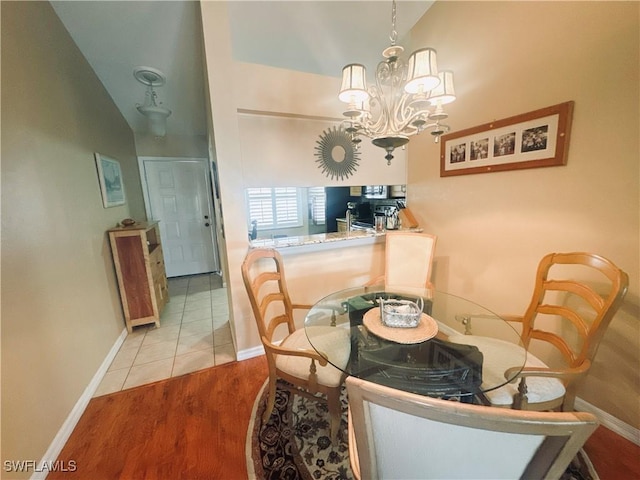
{"type": "Point", "coordinates": [310, 36]}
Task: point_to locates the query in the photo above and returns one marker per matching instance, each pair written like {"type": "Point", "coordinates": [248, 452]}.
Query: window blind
{"type": "Point", "coordinates": [277, 207]}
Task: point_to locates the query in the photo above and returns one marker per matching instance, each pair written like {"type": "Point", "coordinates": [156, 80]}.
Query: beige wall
{"type": "Point", "coordinates": [515, 57]}
{"type": "Point", "coordinates": [281, 122]}
{"type": "Point", "coordinates": [280, 151]}
{"type": "Point", "coordinates": [60, 307]}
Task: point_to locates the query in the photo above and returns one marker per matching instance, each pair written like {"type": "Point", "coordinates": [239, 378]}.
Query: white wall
{"type": "Point", "coordinates": [493, 228]}
{"type": "Point", "coordinates": [185, 146]}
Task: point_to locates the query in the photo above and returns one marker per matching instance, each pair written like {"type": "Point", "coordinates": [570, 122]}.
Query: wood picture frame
{"type": "Point", "coordinates": [110, 178]}
{"type": "Point", "coordinates": [535, 139]}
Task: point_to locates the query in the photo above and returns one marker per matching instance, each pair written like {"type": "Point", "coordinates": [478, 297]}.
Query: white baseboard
{"type": "Point", "coordinates": [253, 352]}
{"type": "Point", "coordinates": [612, 423]}
{"type": "Point", "coordinates": [250, 353]}
{"type": "Point", "coordinates": [51, 455]}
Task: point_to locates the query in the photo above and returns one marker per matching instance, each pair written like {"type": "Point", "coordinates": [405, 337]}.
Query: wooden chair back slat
{"type": "Point", "coordinates": [581, 326]}
{"type": "Point", "coordinates": [558, 342]}
{"type": "Point", "coordinates": [584, 291]}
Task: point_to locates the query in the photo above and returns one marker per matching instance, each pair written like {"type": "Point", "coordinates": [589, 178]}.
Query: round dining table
{"type": "Point", "coordinates": [382, 336]}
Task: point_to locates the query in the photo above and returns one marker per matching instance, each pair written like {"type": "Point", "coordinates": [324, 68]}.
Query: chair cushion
{"type": "Point", "coordinates": [332, 341]}
{"type": "Point", "coordinates": [539, 389]}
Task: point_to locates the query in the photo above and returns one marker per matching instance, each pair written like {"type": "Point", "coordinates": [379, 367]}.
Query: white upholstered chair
{"type": "Point", "coordinates": [571, 315]}
{"type": "Point", "coordinates": [408, 261]}
{"type": "Point", "coordinates": [400, 435]}
{"type": "Point", "coordinates": [291, 357]}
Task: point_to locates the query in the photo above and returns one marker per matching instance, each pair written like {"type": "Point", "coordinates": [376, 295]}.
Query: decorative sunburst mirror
{"type": "Point", "coordinates": [337, 157]}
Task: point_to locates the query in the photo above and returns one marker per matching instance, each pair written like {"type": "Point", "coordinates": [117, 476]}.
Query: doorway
{"type": "Point", "coordinates": [178, 194]}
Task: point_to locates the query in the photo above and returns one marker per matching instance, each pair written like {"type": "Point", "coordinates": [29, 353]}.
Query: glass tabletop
{"type": "Point", "coordinates": [459, 349]}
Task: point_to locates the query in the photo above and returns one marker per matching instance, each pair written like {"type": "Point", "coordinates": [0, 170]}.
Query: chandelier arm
{"type": "Point", "coordinates": [385, 98]}
{"type": "Point", "coordinates": [381, 122]}
{"type": "Point", "coordinates": [404, 113]}
{"type": "Point", "coordinates": [378, 121]}
{"type": "Point", "coordinates": [403, 116]}
{"type": "Point", "coordinates": [408, 112]}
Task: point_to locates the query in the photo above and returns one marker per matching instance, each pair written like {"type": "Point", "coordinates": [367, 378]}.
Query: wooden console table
{"type": "Point", "coordinates": [139, 264]}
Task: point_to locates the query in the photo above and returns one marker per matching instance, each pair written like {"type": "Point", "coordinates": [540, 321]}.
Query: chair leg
{"type": "Point", "coordinates": [520, 400]}
{"type": "Point", "coordinates": [569, 399]}
{"type": "Point", "coordinates": [271, 399]}
{"type": "Point", "coordinates": [335, 412]}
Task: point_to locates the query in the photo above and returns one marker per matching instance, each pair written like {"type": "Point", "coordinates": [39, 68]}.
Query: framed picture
{"type": "Point", "coordinates": [530, 140]}
{"type": "Point", "coordinates": [111, 184]}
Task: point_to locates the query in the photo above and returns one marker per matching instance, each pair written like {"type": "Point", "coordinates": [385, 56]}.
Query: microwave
{"type": "Point", "coordinates": [375, 191]}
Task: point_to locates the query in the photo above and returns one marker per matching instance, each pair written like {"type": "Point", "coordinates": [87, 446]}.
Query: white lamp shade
{"type": "Point", "coordinates": [158, 128]}
{"type": "Point", "coordinates": [354, 84]}
{"type": "Point", "coordinates": [157, 119]}
{"type": "Point", "coordinates": [443, 93]}
{"type": "Point", "coordinates": [422, 72]}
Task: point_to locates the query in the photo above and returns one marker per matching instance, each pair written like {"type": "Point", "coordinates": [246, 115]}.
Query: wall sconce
{"type": "Point", "coordinates": [151, 108]}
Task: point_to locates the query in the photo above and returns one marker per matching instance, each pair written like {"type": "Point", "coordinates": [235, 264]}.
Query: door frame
{"type": "Point", "coordinates": [147, 200]}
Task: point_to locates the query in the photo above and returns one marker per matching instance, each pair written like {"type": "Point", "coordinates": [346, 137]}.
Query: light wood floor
{"type": "Point", "coordinates": [194, 427]}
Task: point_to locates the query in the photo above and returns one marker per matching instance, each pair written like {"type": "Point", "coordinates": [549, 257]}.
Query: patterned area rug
{"type": "Point", "coordinates": [295, 443]}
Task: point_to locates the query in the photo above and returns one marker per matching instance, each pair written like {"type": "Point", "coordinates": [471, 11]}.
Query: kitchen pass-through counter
{"type": "Point", "coordinates": [324, 241]}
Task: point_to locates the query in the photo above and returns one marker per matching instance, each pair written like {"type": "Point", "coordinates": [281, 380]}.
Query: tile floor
{"type": "Point", "coordinates": [194, 333]}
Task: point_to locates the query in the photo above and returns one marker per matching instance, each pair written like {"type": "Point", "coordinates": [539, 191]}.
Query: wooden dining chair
{"type": "Point", "coordinates": [408, 261]}
{"type": "Point", "coordinates": [289, 354]}
{"type": "Point", "coordinates": [400, 435]}
{"type": "Point", "coordinates": [584, 309]}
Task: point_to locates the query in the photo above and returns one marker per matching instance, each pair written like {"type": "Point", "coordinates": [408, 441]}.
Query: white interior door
{"type": "Point", "coordinates": [179, 196]}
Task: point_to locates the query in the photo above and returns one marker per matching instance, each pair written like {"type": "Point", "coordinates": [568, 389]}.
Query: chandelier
{"type": "Point", "coordinates": [407, 97]}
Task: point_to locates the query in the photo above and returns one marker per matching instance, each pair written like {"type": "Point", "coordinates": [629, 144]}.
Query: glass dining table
{"type": "Point", "coordinates": [458, 350]}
